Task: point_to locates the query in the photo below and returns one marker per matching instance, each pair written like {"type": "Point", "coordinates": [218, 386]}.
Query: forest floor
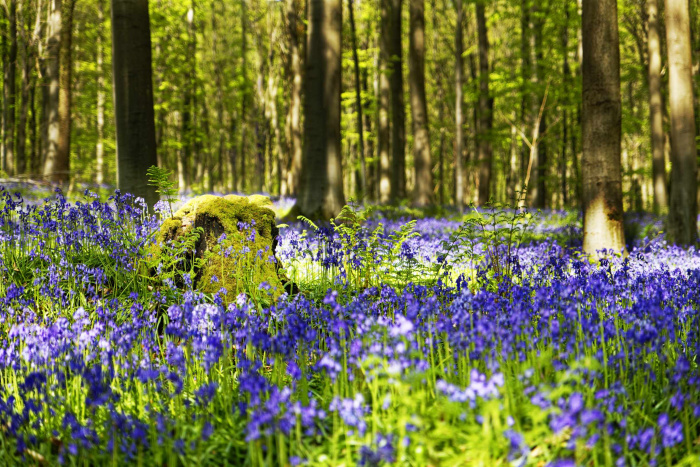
{"type": "Point", "coordinates": [475, 338]}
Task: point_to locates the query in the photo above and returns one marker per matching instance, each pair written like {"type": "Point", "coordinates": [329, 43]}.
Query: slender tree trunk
{"type": "Point", "coordinates": [423, 189]}
{"type": "Point", "coordinates": [62, 166]}
{"type": "Point", "coordinates": [295, 98]}
{"type": "Point", "coordinates": [459, 108]}
{"type": "Point", "coordinates": [25, 82]}
{"type": "Point", "coordinates": [10, 94]}
{"type": "Point", "coordinates": [99, 147]}
{"type": "Point", "coordinates": [244, 98]}
{"type": "Point", "coordinates": [398, 112]}
{"type": "Point", "coordinates": [321, 194]}
{"type": "Point", "coordinates": [682, 217]}
{"type": "Point", "coordinates": [51, 98]}
{"type": "Point", "coordinates": [485, 108]}
{"type": "Point", "coordinates": [133, 97]}
{"type": "Point", "coordinates": [601, 129]}
{"type": "Point", "coordinates": [383, 123]}
{"type": "Point", "coordinates": [358, 102]}
{"type": "Point", "coordinates": [656, 113]}
{"type": "Point", "coordinates": [371, 178]}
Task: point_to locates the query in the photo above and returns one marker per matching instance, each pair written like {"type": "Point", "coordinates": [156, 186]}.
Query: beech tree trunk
{"type": "Point", "coordinates": [61, 172]}
{"type": "Point", "coordinates": [99, 146]}
{"type": "Point", "coordinates": [10, 95]}
{"type": "Point", "coordinates": [398, 112]}
{"type": "Point", "coordinates": [459, 108]}
{"type": "Point", "coordinates": [656, 108]}
{"type": "Point", "coordinates": [485, 108]}
{"type": "Point", "coordinates": [601, 129]}
{"type": "Point", "coordinates": [321, 191]}
{"type": "Point", "coordinates": [423, 190]}
{"type": "Point", "coordinates": [682, 216]}
{"type": "Point", "coordinates": [358, 103]}
{"type": "Point", "coordinates": [133, 97]}
{"type": "Point", "coordinates": [51, 96]}
{"type": "Point", "coordinates": [383, 124]}
{"type": "Point", "coordinates": [295, 142]}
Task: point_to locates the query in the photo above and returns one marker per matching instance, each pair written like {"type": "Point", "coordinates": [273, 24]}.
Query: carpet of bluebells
{"type": "Point", "coordinates": [379, 360]}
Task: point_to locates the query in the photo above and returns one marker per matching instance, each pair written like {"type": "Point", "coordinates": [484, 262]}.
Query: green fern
{"type": "Point", "coordinates": [160, 178]}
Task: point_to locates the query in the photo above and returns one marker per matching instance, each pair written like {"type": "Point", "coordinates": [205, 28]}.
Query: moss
{"type": "Point", "coordinates": [240, 263]}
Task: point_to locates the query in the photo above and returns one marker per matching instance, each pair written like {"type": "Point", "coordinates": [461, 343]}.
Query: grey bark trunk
{"type": "Point", "coordinates": [61, 172]}
{"type": "Point", "coordinates": [8, 160]}
{"type": "Point", "coordinates": [601, 128]}
{"type": "Point", "coordinates": [459, 108]}
{"type": "Point", "coordinates": [321, 194]}
{"type": "Point", "coordinates": [656, 112]}
{"type": "Point", "coordinates": [423, 189]}
{"type": "Point", "coordinates": [398, 109]}
{"type": "Point", "coordinates": [99, 146]}
{"type": "Point", "coordinates": [53, 48]}
{"type": "Point", "coordinates": [682, 216]}
{"type": "Point", "coordinates": [358, 102]}
{"type": "Point", "coordinates": [485, 105]}
{"type": "Point", "coordinates": [383, 123]}
{"type": "Point", "coordinates": [133, 97]}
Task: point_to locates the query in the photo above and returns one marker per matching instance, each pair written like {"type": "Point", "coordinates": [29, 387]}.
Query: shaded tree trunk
{"type": "Point", "coordinates": [398, 112]}
{"type": "Point", "coordinates": [656, 112]}
{"type": "Point", "coordinates": [423, 190]}
{"type": "Point", "coordinates": [358, 103]}
{"type": "Point", "coordinates": [682, 216]}
{"type": "Point", "coordinates": [62, 166]}
{"type": "Point", "coordinates": [459, 108]}
{"type": "Point", "coordinates": [383, 124]}
{"type": "Point", "coordinates": [295, 142]}
{"type": "Point", "coordinates": [99, 146]}
{"type": "Point", "coordinates": [9, 88]}
{"type": "Point", "coordinates": [321, 190]}
{"type": "Point", "coordinates": [485, 108]}
{"type": "Point", "coordinates": [601, 128]}
{"type": "Point", "coordinates": [133, 97]}
{"type": "Point", "coordinates": [51, 96]}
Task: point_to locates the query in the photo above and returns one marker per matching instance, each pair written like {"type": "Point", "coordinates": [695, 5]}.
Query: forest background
{"type": "Point", "coordinates": [228, 85]}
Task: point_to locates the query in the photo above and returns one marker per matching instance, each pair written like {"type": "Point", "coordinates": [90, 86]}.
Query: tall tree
{"type": "Point", "coordinates": [133, 97]}
{"type": "Point", "coordinates": [99, 147]}
{"type": "Point", "coordinates": [398, 109]}
{"type": "Point", "coordinates": [321, 192]}
{"type": "Point", "coordinates": [358, 101]}
{"type": "Point", "coordinates": [459, 107]}
{"type": "Point", "coordinates": [295, 144]}
{"type": "Point", "coordinates": [423, 190]}
{"type": "Point", "coordinates": [62, 165]}
{"type": "Point", "coordinates": [383, 122]}
{"type": "Point", "coordinates": [682, 216]}
{"type": "Point", "coordinates": [601, 128]}
{"type": "Point", "coordinates": [485, 108]}
{"type": "Point", "coordinates": [9, 88]}
{"type": "Point", "coordinates": [656, 108]}
{"type": "Point", "coordinates": [51, 94]}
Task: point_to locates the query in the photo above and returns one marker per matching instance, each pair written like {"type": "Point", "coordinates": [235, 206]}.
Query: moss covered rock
{"type": "Point", "coordinates": [235, 248]}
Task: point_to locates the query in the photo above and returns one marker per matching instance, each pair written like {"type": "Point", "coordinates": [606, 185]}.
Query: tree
{"type": "Point", "coordinates": [62, 166]}
{"type": "Point", "coordinates": [321, 190]}
{"type": "Point", "coordinates": [459, 108]}
{"type": "Point", "coordinates": [485, 108]}
{"type": "Point", "coordinates": [398, 112]}
{"type": "Point", "coordinates": [682, 216]}
{"type": "Point", "coordinates": [601, 128]}
{"type": "Point", "coordinates": [295, 143]}
{"type": "Point", "coordinates": [52, 165]}
{"type": "Point", "coordinates": [8, 156]}
{"type": "Point", "coordinates": [656, 108]}
{"type": "Point", "coordinates": [99, 147]}
{"type": "Point", "coordinates": [423, 191]}
{"type": "Point", "coordinates": [383, 123]}
{"type": "Point", "coordinates": [133, 97]}
{"type": "Point", "coordinates": [358, 101]}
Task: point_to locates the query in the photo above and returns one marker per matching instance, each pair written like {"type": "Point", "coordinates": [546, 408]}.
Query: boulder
{"type": "Point", "coordinates": [235, 248]}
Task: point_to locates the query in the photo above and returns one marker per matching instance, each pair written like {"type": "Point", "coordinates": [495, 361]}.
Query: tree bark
{"type": "Point", "coordinates": [358, 102]}
{"type": "Point", "coordinates": [133, 97]}
{"type": "Point", "coordinates": [423, 189]}
{"type": "Point", "coordinates": [601, 129]}
{"type": "Point", "coordinates": [459, 108]}
{"type": "Point", "coordinates": [321, 194]}
{"type": "Point", "coordinates": [485, 108]}
{"type": "Point", "coordinates": [9, 88]}
{"type": "Point", "coordinates": [682, 217]}
{"type": "Point", "coordinates": [61, 171]}
{"type": "Point", "coordinates": [656, 112]}
{"type": "Point", "coordinates": [398, 112]}
{"type": "Point", "coordinates": [51, 100]}
{"type": "Point", "coordinates": [295, 142]}
{"type": "Point", "coordinates": [99, 146]}
{"type": "Point", "coordinates": [383, 124]}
